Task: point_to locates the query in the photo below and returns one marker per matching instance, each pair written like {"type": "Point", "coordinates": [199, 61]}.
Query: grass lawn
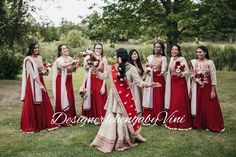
{"type": "Point", "coordinates": [74, 141]}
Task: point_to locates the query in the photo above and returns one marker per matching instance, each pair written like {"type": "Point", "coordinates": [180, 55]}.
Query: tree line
{"type": "Point", "coordinates": [142, 21]}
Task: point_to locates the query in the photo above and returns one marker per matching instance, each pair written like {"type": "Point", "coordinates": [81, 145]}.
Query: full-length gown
{"type": "Point", "coordinates": [177, 97]}
{"type": "Point", "coordinates": [206, 111]}
{"type": "Point", "coordinates": [37, 111]}
{"type": "Point", "coordinates": [153, 98]}
{"type": "Point", "coordinates": [116, 132]}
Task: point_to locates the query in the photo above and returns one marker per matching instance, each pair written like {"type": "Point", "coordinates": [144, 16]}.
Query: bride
{"type": "Point", "coordinates": [119, 130]}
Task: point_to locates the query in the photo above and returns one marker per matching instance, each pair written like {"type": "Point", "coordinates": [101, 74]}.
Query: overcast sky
{"type": "Point", "coordinates": [71, 10]}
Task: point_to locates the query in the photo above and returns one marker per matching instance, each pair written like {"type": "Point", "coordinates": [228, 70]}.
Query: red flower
{"type": "Point", "coordinates": [177, 63]}
{"type": "Point", "coordinates": [196, 75]}
{"type": "Point", "coordinates": [182, 67]}
{"type": "Point", "coordinates": [45, 66]}
{"type": "Point", "coordinates": [178, 67]}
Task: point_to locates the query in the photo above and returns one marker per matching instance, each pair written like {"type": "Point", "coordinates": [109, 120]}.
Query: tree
{"type": "Point", "coordinates": [16, 23]}
{"type": "Point", "coordinates": [217, 19]}
{"type": "Point", "coordinates": [94, 27]}
{"type": "Point", "coordinates": [75, 39]}
{"type": "Point", "coordinates": [177, 20]}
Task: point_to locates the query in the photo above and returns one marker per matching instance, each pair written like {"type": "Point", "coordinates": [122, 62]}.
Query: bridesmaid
{"type": "Point", "coordinates": [134, 59]}
{"type": "Point", "coordinates": [153, 98]}
{"type": "Point", "coordinates": [63, 87]}
{"type": "Point", "coordinates": [119, 130]}
{"type": "Point", "coordinates": [205, 105]}
{"type": "Point", "coordinates": [93, 105]}
{"type": "Point", "coordinates": [37, 112]}
{"type": "Point", "coordinates": [177, 92]}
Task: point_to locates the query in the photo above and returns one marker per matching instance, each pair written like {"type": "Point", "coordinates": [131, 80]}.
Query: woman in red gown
{"type": "Point", "coordinates": [96, 91]}
{"type": "Point", "coordinates": [153, 98]}
{"type": "Point", "coordinates": [37, 112]}
{"type": "Point", "coordinates": [63, 87]}
{"type": "Point", "coordinates": [177, 92]}
{"type": "Point", "coordinates": [205, 106]}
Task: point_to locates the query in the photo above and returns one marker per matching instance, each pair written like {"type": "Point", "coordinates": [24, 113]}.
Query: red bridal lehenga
{"type": "Point", "coordinates": [116, 131]}
{"type": "Point", "coordinates": [97, 101]}
{"type": "Point", "coordinates": [153, 98]}
{"type": "Point", "coordinates": [37, 112]}
{"type": "Point", "coordinates": [64, 93]}
{"type": "Point", "coordinates": [206, 111]}
{"type": "Point", "coordinates": [177, 97]}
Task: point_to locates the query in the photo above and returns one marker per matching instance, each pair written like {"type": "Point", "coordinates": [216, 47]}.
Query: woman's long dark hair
{"type": "Point", "coordinates": [162, 48]}
{"type": "Point", "coordinates": [59, 50]}
{"type": "Point", "coordinates": [138, 61]}
{"type": "Point", "coordinates": [31, 49]}
{"type": "Point", "coordinates": [96, 45]}
{"type": "Point", "coordinates": [123, 54]}
{"type": "Point", "coordinates": [204, 49]}
{"type": "Point", "coordinates": [179, 49]}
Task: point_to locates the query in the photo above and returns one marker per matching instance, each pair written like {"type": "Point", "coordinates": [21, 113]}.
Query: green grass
{"type": "Point", "coordinates": [74, 141]}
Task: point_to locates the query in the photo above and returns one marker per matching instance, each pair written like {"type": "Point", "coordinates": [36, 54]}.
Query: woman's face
{"type": "Point", "coordinates": [157, 48]}
{"type": "Point", "coordinates": [134, 56]}
{"type": "Point", "coordinates": [200, 54]}
{"type": "Point", "coordinates": [64, 50]}
{"type": "Point", "coordinates": [36, 50]}
{"type": "Point", "coordinates": [98, 49]}
{"type": "Point", "coordinates": [117, 59]}
{"type": "Point", "coordinates": [174, 51]}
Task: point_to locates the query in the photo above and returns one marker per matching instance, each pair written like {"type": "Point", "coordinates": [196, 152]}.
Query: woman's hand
{"type": "Point", "coordinates": [213, 93]}
{"type": "Point", "coordinates": [153, 84]}
{"type": "Point", "coordinates": [75, 61]}
{"type": "Point", "coordinates": [102, 90]}
{"type": "Point", "coordinates": [180, 74]}
{"type": "Point", "coordinates": [43, 88]}
{"type": "Point", "coordinates": [156, 84]}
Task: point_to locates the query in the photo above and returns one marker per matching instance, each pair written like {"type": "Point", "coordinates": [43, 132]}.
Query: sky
{"type": "Point", "coordinates": [72, 10]}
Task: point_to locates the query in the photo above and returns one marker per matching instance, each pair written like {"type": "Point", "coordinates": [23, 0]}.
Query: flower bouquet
{"type": "Point", "coordinates": [149, 68]}
{"type": "Point", "coordinates": [179, 67]}
{"type": "Point", "coordinates": [200, 78]}
{"type": "Point", "coordinates": [91, 59]}
{"type": "Point", "coordinates": [46, 68]}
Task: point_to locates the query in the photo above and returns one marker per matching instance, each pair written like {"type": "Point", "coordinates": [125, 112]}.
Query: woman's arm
{"type": "Point", "coordinates": [30, 71]}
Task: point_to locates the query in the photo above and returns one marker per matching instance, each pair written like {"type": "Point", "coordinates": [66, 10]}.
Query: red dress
{"type": "Point", "coordinates": [178, 117]}
{"type": "Point", "coordinates": [208, 111]}
{"type": "Point", "coordinates": [67, 112]}
{"type": "Point", "coordinates": [97, 100]}
{"type": "Point", "coordinates": [69, 116]}
{"type": "Point", "coordinates": [158, 65]}
{"type": "Point", "coordinates": [158, 100]}
{"type": "Point", "coordinates": [36, 117]}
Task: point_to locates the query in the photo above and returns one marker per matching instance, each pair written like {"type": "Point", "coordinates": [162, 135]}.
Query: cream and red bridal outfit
{"type": "Point", "coordinates": [93, 104]}
{"type": "Point", "coordinates": [37, 112]}
{"type": "Point", "coordinates": [63, 91]}
{"type": "Point", "coordinates": [116, 132]}
{"type": "Point", "coordinates": [177, 97]}
{"type": "Point", "coordinates": [153, 98]}
{"type": "Point", "coordinates": [205, 110]}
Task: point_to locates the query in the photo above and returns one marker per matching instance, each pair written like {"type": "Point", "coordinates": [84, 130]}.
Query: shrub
{"type": "Point", "coordinates": [10, 63]}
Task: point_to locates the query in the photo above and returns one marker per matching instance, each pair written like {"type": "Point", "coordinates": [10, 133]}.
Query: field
{"type": "Point", "coordinates": [74, 141]}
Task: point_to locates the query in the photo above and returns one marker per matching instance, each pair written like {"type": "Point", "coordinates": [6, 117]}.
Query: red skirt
{"type": "Point", "coordinates": [69, 117]}
{"type": "Point", "coordinates": [178, 117]}
{"type": "Point", "coordinates": [208, 113]}
{"type": "Point", "coordinates": [158, 101]}
{"type": "Point", "coordinates": [36, 117]}
{"type": "Point", "coordinates": [98, 101]}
